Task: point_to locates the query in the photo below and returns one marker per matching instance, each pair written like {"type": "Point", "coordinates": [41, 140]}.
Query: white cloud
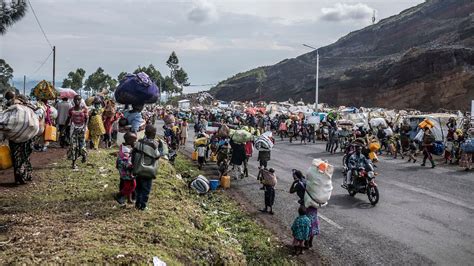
{"type": "Point", "coordinates": [203, 12]}
{"type": "Point", "coordinates": [344, 12]}
{"type": "Point", "coordinates": [187, 43]}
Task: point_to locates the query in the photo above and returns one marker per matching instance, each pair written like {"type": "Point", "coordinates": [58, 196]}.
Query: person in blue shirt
{"type": "Point", "coordinates": [134, 118]}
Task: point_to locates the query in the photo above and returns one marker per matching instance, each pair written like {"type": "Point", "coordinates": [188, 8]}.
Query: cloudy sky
{"type": "Point", "coordinates": [214, 39]}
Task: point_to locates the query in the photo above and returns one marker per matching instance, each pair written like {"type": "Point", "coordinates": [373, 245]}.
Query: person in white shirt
{"type": "Point", "coordinates": [63, 108]}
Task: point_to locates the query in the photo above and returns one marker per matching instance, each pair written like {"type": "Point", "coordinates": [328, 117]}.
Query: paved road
{"type": "Point", "coordinates": [424, 216]}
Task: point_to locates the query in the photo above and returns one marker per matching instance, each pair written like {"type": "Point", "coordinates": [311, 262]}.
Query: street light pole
{"type": "Point", "coordinates": [316, 102]}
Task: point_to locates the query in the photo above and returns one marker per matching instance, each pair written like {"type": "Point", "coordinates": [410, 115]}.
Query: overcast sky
{"type": "Point", "coordinates": [214, 39]}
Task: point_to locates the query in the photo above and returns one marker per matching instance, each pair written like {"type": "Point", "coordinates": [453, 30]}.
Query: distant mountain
{"type": "Point", "coordinates": [421, 58]}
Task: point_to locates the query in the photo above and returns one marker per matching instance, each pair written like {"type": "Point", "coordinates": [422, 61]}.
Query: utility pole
{"type": "Point", "coordinates": [316, 103]}
{"type": "Point", "coordinates": [24, 85]}
{"type": "Point", "coordinates": [54, 65]}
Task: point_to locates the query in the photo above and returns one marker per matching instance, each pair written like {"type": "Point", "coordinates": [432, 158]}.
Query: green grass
{"type": "Point", "coordinates": [71, 217]}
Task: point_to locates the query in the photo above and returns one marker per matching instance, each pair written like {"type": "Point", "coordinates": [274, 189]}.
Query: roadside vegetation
{"type": "Point", "coordinates": [71, 217]}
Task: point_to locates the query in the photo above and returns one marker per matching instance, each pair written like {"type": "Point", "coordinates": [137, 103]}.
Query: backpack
{"type": "Point", "coordinates": [145, 160]}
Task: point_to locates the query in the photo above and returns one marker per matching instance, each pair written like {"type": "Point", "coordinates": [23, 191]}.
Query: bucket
{"type": "Point", "coordinates": [214, 184]}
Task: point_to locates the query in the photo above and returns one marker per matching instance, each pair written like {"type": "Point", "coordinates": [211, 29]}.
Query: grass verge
{"type": "Point", "coordinates": [70, 217]}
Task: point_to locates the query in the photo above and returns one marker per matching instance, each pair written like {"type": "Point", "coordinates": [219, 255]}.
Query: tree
{"type": "Point", "coordinates": [9, 14]}
{"type": "Point", "coordinates": [6, 73]}
{"type": "Point", "coordinates": [181, 78]}
{"type": "Point", "coordinates": [97, 81]}
{"type": "Point", "coordinates": [169, 86]}
{"type": "Point", "coordinates": [172, 63]}
{"type": "Point", "coordinates": [75, 80]}
{"type": "Point", "coordinates": [121, 75]}
{"type": "Point", "coordinates": [112, 84]}
{"type": "Point", "coordinates": [152, 72]}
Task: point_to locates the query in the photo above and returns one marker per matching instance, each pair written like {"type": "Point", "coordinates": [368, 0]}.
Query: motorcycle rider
{"type": "Point", "coordinates": [357, 161]}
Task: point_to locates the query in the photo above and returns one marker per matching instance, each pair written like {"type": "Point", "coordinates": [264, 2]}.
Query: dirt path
{"type": "Point", "coordinates": [39, 160]}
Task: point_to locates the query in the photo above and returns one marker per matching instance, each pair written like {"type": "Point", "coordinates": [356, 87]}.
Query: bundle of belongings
{"type": "Point", "coordinates": [264, 142]}
{"type": "Point", "coordinates": [45, 91]}
{"type": "Point", "coordinates": [137, 89]}
{"type": "Point", "coordinates": [20, 123]}
{"type": "Point", "coordinates": [318, 183]}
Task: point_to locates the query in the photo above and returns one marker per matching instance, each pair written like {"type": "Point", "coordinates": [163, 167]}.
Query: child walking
{"type": "Point", "coordinates": [269, 181]}
{"type": "Point", "coordinates": [202, 151]}
{"type": "Point", "coordinates": [301, 230]}
{"type": "Point", "coordinates": [413, 151]}
{"type": "Point", "coordinates": [148, 149]}
{"type": "Point", "coordinates": [125, 166]}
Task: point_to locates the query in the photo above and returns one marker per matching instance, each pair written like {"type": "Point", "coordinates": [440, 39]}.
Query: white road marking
{"type": "Point", "coordinates": [329, 221]}
{"type": "Point", "coordinates": [429, 193]}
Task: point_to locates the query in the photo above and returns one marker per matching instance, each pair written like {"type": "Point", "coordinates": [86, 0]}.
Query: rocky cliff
{"type": "Point", "coordinates": [421, 58]}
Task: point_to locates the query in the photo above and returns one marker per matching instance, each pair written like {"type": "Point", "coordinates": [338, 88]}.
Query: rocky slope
{"type": "Point", "coordinates": [421, 58]}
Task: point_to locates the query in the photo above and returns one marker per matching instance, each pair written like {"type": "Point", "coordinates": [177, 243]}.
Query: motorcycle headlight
{"type": "Point", "coordinates": [371, 174]}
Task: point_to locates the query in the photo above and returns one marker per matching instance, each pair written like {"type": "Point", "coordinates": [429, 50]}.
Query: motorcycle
{"type": "Point", "coordinates": [363, 181]}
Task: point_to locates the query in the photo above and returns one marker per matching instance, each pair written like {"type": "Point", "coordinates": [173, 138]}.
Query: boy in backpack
{"type": "Point", "coordinates": [147, 152]}
{"type": "Point", "coordinates": [125, 166]}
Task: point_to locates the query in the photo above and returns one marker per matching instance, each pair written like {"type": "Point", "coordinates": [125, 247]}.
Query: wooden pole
{"type": "Point", "coordinates": [54, 65]}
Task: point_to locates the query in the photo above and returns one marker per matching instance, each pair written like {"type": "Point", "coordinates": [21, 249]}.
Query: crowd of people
{"type": "Point", "coordinates": [97, 122]}
{"type": "Point", "coordinates": [89, 125]}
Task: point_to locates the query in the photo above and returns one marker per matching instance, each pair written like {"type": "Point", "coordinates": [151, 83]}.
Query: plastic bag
{"type": "Point", "coordinates": [419, 136]}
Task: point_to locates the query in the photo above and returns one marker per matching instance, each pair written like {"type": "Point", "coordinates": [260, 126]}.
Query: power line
{"type": "Point", "coordinates": [44, 62]}
{"type": "Point", "coordinates": [200, 85]}
{"type": "Point", "coordinates": [39, 24]}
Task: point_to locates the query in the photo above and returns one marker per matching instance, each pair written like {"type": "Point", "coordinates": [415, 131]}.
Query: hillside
{"type": "Point", "coordinates": [421, 58]}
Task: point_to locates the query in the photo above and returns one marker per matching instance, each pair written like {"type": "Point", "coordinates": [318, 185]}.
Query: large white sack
{"type": "Point", "coordinates": [388, 132]}
{"type": "Point", "coordinates": [19, 123]}
{"type": "Point", "coordinates": [379, 121]}
{"type": "Point", "coordinates": [318, 184]}
{"type": "Point", "coordinates": [264, 142]}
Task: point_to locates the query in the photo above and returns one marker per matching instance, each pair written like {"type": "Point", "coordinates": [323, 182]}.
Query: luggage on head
{"type": "Point", "coordinates": [426, 123]}
{"type": "Point", "coordinates": [263, 142]}
{"type": "Point", "coordinates": [45, 91]}
{"type": "Point", "coordinates": [137, 89]}
{"type": "Point", "coordinates": [169, 119]}
{"type": "Point", "coordinates": [241, 136]}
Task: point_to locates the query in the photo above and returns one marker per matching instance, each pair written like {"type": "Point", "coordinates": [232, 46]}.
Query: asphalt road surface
{"type": "Point", "coordinates": [424, 216]}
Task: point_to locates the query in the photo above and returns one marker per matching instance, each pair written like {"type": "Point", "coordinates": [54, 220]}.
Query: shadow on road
{"type": "Point", "coordinates": [347, 202]}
